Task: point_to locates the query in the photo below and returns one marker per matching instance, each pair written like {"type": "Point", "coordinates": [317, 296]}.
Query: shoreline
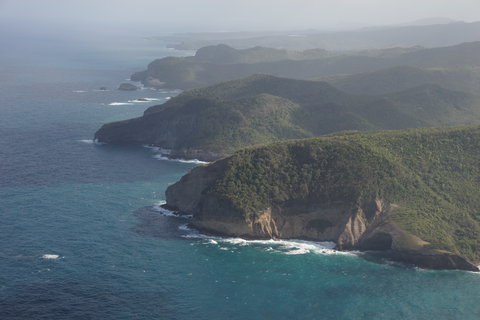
{"type": "Point", "coordinates": [422, 260]}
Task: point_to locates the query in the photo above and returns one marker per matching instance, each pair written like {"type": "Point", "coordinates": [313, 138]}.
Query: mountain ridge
{"type": "Point", "coordinates": [188, 72]}
{"type": "Point", "coordinates": [212, 122]}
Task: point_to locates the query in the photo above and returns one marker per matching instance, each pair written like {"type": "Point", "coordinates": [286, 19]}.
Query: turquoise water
{"type": "Point", "coordinates": [81, 237]}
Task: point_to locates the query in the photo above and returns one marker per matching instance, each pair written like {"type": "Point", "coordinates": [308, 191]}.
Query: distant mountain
{"type": "Point", "coordinates": [401, 78]}
{"type": "Point", "coordinates": [413, 194]}
{"type": "Point", "coordinates": [212, 122]}
{"type": "Point", "coordinates": [465, 54]}
{"type": "Point", "coordinates": [427, 34]}
{"type": "Point", "coordinates": [223, 54]}
{"type": "Point", "coordinates": [203, 69]}
{"type": "Point", "coordinates": [431, 21]}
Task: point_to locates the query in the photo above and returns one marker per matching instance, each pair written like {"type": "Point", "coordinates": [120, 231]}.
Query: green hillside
{"type": "Point", "coordinates": [212, 122]}
{"type": "Point", "coordinates": [404, 77]}
{"type": "Point", "coordinates": [223, 54]}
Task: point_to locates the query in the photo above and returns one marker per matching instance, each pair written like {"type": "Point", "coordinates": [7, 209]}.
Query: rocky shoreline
{"type": "Point", "coordinates": [379, 245]}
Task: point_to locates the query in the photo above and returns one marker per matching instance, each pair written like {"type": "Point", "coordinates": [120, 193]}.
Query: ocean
{"type": "Point", "coordinates": [82, 235]}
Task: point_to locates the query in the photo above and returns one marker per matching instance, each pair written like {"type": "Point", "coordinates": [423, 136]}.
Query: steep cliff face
{"type": "Point", "coordinates": [349, 225]}
{"type": "Point", "coordinates": [353, 190]}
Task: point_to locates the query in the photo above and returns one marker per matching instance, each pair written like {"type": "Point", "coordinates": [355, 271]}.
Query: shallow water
{"type": "Point", "coordinates": [82, 237]}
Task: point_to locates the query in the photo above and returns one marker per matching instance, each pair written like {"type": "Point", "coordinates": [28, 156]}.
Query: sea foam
{"type": "Point", "coordinates": [162, 154]}
{"type": "Point", "coordinates": [142, 100]}
{"type": "Point", "coordinates": [120, 103]}
{"type": "Point", "coordinates": [288, 247]}
{"type": "Point", "coordinates": [92, 141]}
{"type": "Point", "coordinates": [50, 256]}
{"type": "Point", "coordinates": [195, 161]}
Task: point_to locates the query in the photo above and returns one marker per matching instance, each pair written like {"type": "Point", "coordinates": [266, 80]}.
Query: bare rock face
{"type": "Point", "coordinates": [186, 195]}
{"type": "Point", "coordinates": [346, 224]}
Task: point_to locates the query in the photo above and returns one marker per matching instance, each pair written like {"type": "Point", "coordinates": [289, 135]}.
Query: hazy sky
{"type": "Point", "coordinates": [159, 16]}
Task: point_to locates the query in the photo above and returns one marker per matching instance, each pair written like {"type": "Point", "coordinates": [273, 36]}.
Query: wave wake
{"type": "Point", "coordinates": [50, 256]}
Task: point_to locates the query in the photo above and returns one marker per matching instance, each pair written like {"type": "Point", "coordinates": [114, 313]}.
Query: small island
{"type": "Point", "coordinates": [128, 87]}
{"type": "Point", "coordinates": [413, 194]}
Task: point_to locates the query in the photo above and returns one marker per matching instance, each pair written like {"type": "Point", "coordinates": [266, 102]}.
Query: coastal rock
{"type": "Point", "coordinates": [434, 260]}
{"type": "Point", "coordinates": [128, 87]}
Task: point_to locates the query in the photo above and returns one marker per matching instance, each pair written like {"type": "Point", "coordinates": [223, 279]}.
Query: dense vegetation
{"type": "Point", "coordinates": [260, 109]}
{"type": "Point", "coordinates": [222, 53]}
{"type": "Point", "coordinates": [401, 78]}
{"type": "Point", "coordinates": [431, 175]}
{"type": "Point", "coordinates": [221, 63]}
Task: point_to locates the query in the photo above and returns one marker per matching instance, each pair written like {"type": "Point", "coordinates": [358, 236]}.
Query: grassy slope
{"type": "Point", "coordinates": [433, 175]}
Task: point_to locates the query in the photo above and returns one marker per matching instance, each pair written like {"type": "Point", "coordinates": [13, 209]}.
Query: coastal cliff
{"type": "Point", "coordinates": [411, 193]}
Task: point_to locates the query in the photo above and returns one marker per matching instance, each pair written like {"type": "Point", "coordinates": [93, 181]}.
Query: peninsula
{"type": "Point", "coordinates": [413, 194]}
{"type": "Point", "coordinates": [214, 64]}
{"type": "Point", "coordinates": [213, 122]}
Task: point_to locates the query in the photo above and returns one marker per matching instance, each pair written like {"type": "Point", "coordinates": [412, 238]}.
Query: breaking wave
{"type": "Point", "coordinates": [158, 208]}
{"type": "Point", "coordinates": [162, 154]}
{"type": "Point", "coordinates": [288, 247]}
{"type": "Point", "coordinates": [120, 103]}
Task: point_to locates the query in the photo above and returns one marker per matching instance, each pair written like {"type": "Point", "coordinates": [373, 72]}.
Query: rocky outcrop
{"type": "Point", "coordinates": [349, 225]}
{"type": "Point", "coordinates": [434, 260]}
{"type": "Point", "coordinates": [127, 87]}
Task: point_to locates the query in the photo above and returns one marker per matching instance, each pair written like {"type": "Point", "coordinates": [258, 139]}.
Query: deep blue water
{"type": "Point", "coordinates": [119, 258]}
